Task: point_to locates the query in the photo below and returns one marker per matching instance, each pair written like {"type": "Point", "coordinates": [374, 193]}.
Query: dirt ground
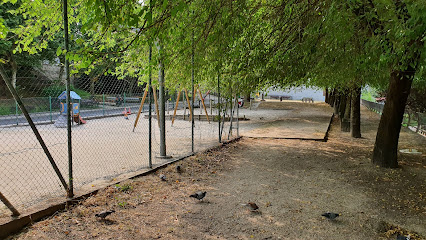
{"type": "Point", "coordinates": [292, 181]}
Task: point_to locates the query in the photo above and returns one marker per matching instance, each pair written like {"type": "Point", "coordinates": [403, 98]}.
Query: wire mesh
{"type": "Point", "coordinates": [104, 144]}
{"type": "Point", "coordinates": [106, 139]}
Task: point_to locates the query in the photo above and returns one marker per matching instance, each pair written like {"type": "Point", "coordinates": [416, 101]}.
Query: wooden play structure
{"type": "Point", "coordinates": [189, 105]}
{"type": "Point", "coordinates": [197, 88]}
{"type": "Point", "coordinates": [142, 103]}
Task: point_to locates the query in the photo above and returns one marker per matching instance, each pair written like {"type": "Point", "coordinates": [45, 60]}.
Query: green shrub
{"type": "Point", "coordinates": [55, 90]}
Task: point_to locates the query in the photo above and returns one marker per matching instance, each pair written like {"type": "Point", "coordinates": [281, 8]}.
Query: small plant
{"type": "Point", "coordinates": [123, 204]}
{"type": "Point", "coordinates": [124, 187]}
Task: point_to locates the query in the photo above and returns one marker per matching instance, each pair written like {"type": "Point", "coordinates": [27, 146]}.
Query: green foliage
{"type": "Point", "coordinates": [57, 89]}
{"type": "Point", "coordinates": [124, 187]}
{"type": "Point", "coordinates": [249, 44]}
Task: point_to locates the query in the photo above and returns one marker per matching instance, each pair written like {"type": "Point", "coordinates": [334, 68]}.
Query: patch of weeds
{"type": "Point", "coordinates": [123, 204]}
{"type": "Point", "coordinates": [124, 188]}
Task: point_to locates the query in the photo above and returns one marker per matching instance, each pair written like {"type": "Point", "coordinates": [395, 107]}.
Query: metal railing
{"type": "Point", "coordinates": [415, 121]}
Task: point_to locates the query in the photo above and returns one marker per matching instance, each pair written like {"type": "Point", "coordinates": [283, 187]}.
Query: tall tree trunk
{"type": "Point", "coordinates": [61, 70]}
{"type": "Point", "coordinates": [247, 97]}
{"type": "Point", "coordinates": [419, 122]}
{"type": "Point", "coordinates": [92, 86]}
{"type": "Point", "coordinates": [326, 96]}
{"type": "Point", "coordinates": [386, 146]}
{"type": "Point", "coordinates": [345, 124]}
{"type": "Point", "coordinates": [336, 103]}
{"type": "Point", "coordinates": [342, 105]}
{"type": "Point", "coordinates": [14, 68]}
{"type": "Point", "coordinates": [332, 97]}
{"type": "Point", "coordinates": [356, 113]}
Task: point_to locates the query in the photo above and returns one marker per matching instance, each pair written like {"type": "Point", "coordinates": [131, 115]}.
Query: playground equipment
{"type": "Point", "coordinates": [189, 105]}
{"type": "Point", "coordinates": [61, 122]}
{"type": "Point", "coordinates": [141, 106]}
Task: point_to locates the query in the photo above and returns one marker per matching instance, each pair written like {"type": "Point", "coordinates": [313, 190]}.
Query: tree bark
{"type": "Point", "coordinates": [356, 113]}
{"type": "Point", "coordinates": [332, 97]}
{"type": "Point", "coordinates": [386, 145]}
{"type": "Point", "coordinates": [14, 68]}
{"type": "Point", "coordinates": [345, 124]}
{"type": "Point", "coordinates": [336, 104]}
{"type": "Point", "coordinates": [326, 96]}
{"type": "Point", "coordinates": [342, 105]}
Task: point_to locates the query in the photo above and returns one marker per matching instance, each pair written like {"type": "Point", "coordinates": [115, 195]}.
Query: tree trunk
{"type": "Point", "coordinates": [409, 119]}
{"type": "Point", "coordinates": [326, 95]}
{"type": "Point", "coordinates": [419, 122]}
{"type": "Point", "coordinates": [14, 68]}
{"type": "Point", "coordinates": [342, 105]}
{"type": "Point", "coordinates": [356, 113]}
{"type": "Point", "coordinates": [345, 124]}
{"type": "Point", "coordinates": [336, 104]}
{"type": "Point", "coordinates": [386, 145]}
{"type": "Point", "coordinates": [61, 70]}
{"type": "Point", "coordinates": [331, 98]}
{"type": "Point", "coordinates": [247, 97]}
{"type": "Point", "coordinates": [92, 86]}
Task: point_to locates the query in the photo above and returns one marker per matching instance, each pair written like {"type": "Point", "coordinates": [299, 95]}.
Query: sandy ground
{"type": "Point", "coordinates": [292, 181]}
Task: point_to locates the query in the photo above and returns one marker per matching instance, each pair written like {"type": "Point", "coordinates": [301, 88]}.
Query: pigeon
{"type": "Point", "coordinates": [163, 177]}
{"type": "Point", "coordinates": [330, 215]}
{"type": "Point", "coordinates": [253, 207]}
{"type": "Point", "coordinates": [178, 169]}
{"type": "Point", "coordinates": [399, 237]}
{"type": "Point", "coordinates": [104, 214]}
{"type": "Point", "coordinates": [198, 195]}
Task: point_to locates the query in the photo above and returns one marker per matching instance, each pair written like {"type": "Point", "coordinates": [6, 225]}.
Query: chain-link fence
{"type": "Point", "coordinates": [107, 136]}
{"type": "Point", "coordinates": [415, 121]}
{"type": "Point", "coordinates": [77, 112]}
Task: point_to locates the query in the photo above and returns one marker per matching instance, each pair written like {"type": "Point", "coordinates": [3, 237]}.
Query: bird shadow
{"type": "Point", "coordinates": [204, 202]}
{"type": "Point", "coordinates": [108, 221]}
{"type": "Point", "coordinates": [256, 212]}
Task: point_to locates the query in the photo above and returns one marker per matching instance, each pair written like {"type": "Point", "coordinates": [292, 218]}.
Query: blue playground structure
{"type": "Point", "coordinates": [61, 122]}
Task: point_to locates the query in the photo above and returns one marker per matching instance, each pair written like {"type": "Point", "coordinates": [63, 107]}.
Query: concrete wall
{"type": "Point", "coordinates": [297, 93]}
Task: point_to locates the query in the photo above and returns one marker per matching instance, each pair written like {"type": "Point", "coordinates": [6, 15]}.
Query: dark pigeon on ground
{"type": "Point", "coordinates": [399, 237]}
{"type": "Point", "coordinates": [178, 169]}
{"type": "Point", "coordinates": [163, 177]}
{"type": "Point", "coordinates": [330, 215]}
{"type": "Point", "coordinates": [104, 214]}
{"type": "Point", "coordinates": [253, 207]}
{"type": "Point", "coordinates": [198, 195]}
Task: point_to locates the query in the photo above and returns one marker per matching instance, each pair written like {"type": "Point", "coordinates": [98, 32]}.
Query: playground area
{"type": "Point", "coordinates": [292, 181]}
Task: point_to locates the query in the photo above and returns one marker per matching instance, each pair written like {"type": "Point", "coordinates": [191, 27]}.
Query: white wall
{"type": "Point", "coordinates": [297, 93]}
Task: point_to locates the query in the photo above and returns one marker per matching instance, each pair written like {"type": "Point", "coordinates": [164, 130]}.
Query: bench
{"type": "Point", "coordinates": [308, 99]}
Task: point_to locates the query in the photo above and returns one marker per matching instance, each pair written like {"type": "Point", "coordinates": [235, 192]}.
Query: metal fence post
{"type": "Point", "coordinates": [103, 104]}
{"type": "Point", "coordinates": [193, 93]}
{"type": "Point", "coordinates": [150, 110]}
{"type": "Point", "coordinates": [218, 105]}
{"type": "Point", "coordinates": [238, 119]}
{"type": "Point", "coordinates": [124, 99]}
{"type": "Point", "coordinates": [35, 131]}
{"type": "Point", "coordinates": [50, 107]}
{"type": "Point", "coordinates": [70, 193]}
{"type": "Point", "coordinates": [16, 113]}
{"type": "Point", "coordinates": [9, 205]}
{"type": "Point", "coordinates": [211, 107]}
